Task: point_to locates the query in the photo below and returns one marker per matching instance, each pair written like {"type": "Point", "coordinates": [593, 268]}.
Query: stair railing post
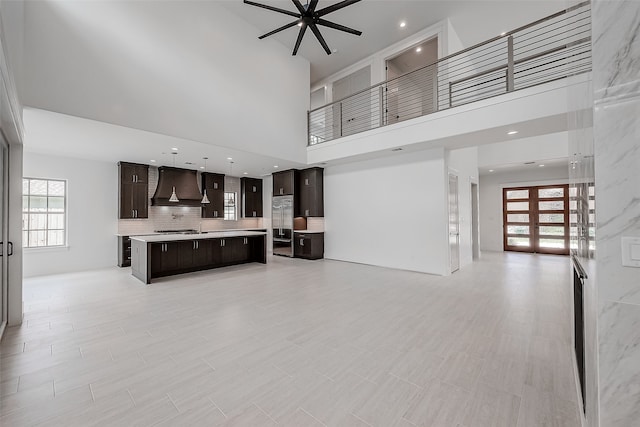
{"type": "Point", "coordinates": [510, 72]}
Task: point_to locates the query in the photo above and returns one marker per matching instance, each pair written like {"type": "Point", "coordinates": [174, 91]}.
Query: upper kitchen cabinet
{"type": "Point", "coordinates": [214, 184]}
{"type": "Point", "coordinates": [285, 182]}
{"type": "Point", "coordinates": [134, 190]}
{"type": "Point", "coordinates": [251, 197]}
{"type": "Point", "coordinates": [311, 192]}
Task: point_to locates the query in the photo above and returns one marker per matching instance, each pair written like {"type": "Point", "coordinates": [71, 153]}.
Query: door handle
{"type": "Point", "coordinates": [301, 242]}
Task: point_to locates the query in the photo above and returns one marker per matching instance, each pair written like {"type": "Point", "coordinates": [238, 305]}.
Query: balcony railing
{"type": "Point", "coordinates": [549, 49]}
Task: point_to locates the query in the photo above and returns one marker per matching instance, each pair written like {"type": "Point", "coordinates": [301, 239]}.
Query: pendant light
{"type": "Point", "coordinates": [205, 199]}
{"type": "Point", "coordinates": [173, 197]}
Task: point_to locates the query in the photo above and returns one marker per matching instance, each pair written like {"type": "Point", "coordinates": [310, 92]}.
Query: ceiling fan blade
{"type": "Point", "coordinates": [300, 35]}
{"type": "Point", "coordinates": [275, 9]}
{"type": "Point", "coordinates": [316, 31]}
{"type": "Point", "coordinates": [338, 27]}
{"type": "Point", "coordinates": [336, 6]}
{"type": "Point", "coordinates": [312, 5]}
{"type": "Point", "coordinates": [299, 6]}
{"type": "Point", "coordinates": [277, 30]}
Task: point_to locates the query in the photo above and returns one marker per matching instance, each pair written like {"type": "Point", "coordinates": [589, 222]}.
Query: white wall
{"type": "Point", "coordinates": [491, 186]}
{"type": "Point", "coordinates": [482, 20]}
{"type": "Point", "coordinates": [542, 147]}
{"type": "Point", "coordinates": [12, 13]}
{"type": "Point", "coordinates": [92, 212]}
{"type": "Point", "coordinates": [170, 67]}
{"type": "Point", "coordinates": [464, 164]}
{"type": "Point", "coordinates": [388, 212]}
{"type": "Point", "coordinates": [377, 61]}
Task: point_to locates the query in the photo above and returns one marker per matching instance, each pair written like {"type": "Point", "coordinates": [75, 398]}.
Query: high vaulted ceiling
{"type": "Point", "coordinates": [473, 20]}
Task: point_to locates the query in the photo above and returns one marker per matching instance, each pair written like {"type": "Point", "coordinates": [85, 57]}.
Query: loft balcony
{"type": "Point", "coordinates": [528, 61]}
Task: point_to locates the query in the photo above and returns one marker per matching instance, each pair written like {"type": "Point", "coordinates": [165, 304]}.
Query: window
{"type": "Point", "coordinates": [230, 206]}
{"type": "Point", "coordinates": [44, 207]}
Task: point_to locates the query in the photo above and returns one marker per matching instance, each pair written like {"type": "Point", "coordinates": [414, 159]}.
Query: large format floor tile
{"type": "Point", "coordinates": [296, 343]}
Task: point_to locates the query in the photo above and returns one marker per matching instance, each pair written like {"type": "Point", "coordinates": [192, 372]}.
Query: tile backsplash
{"type": "Point", "coordinates": [183, 217]}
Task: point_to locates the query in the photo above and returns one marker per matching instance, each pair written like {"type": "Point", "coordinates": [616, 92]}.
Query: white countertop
{"type": "Point", "coordinates": [307, 231]}
{"type": "Point", "coordinates": [153, 233]}
{"type": "Point", "coordinates": [205, 235]}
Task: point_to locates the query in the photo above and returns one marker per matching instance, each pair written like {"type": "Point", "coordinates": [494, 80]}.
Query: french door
{"type": "Point", "coordinates": [536, 219]}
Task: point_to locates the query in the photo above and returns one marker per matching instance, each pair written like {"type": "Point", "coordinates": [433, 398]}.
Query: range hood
{"type": "Point", "coordinates": [185, 182]}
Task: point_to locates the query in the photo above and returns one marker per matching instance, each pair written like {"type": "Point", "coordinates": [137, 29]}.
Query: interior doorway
{"type": "Point", "coordinates": [415, 94]}
{"type": "Point", "coordinates": [352, 115]}
{"type": "Point", "coordinates": [475, 222]}
{"type": "Point", "coordinates": [454, 224]}
{"type": "Point", "coordinates": [536, 219]}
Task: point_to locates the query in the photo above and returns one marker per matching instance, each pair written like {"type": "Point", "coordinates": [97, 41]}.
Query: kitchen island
{"type": "Point", "coordinates": [165, 255]}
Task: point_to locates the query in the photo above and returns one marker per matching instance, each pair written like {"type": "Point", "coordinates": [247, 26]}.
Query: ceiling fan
{"type": "Point", "coordinates": [308, 16]}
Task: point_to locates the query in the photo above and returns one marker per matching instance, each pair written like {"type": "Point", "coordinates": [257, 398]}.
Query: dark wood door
{"type": "Point", "coordinates": [201, 253]}
{"type": "Point", "coordinates": [140, 201]}
{"type": "Point", "coordinates": [285, 182]}
{"type": "Point", "coordinates": [133, 188]}
{"type": "Point", "coordinates": [309, 245]}
{"type": "Point", "coordinates": [214, 185]}
{"type": "Point", "coordinates": [536, 219]}
{"type": "Point", "coordinates": [186, 251]}
{"type": "Point", "coordinates": [127, 210]}
{"type": "Point", "coordinates": [311, 197]}
{"type": "Point", "coordinates": [235, 250]}
{"type": "Point", "coordinates": [165, 257]}
{"type": "Point", "coordinates": [215, 251]}
{"type": "Point", "coordinates": [141, 174]}
{"type": "Point", "coordinates": [251, 189]}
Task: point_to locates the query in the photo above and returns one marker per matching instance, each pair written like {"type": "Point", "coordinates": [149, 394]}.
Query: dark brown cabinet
{"type": "Point", "coordinates": [311, 192]}
{"type": "Point", "coordinates": [195, 254]}
{"type": "Point", "coordinates": [214, 185]}
{"type": "Point", "coordinates": [158, 259]}
{"type": "Point", "coordinates": [231, 250]}
{"type": "Point", "coordinates": [165, 257]}
{"type": "Point", "coordinates": [308, 245]}
{"type": "Point", "coordinates": [251, 189]}
{"type": "Point", "coordinates": [124, 251]}
{"type": "Point", "coordinates": [285, 182]}
{"type": "Point", "coordinates": [134, 190]}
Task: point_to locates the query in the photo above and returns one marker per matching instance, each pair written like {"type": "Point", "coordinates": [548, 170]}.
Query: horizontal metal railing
{"type": "Point", "coordinates": [549, 49]}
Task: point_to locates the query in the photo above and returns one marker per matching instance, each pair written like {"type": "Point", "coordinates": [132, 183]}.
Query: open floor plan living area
{"type": "Point", "coordinates": [319, 213]}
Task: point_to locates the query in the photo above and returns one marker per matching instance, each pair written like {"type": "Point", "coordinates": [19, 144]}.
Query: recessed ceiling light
{"type": "Point", "coordinates": [201, 167]}
{"type": "Point", "coordinates": [540, 166]}
{"type": "Point", "coordinates": [490, 170]}
{"type": "Point", "coordinates": [418, 49]}
{"type": "Point", "coordinates": [245, 173]}
{"type": "Point", "coordinates": [403, 24]}
{"type": "Point", "coordinates": [299, 24]}
{"type": "Point", "coordinates": [512, 132]}
{"type": "Point", "coordinates": [334, 50]}
{"type": "Point", "coordinates": [152, 161]}
{"type": "Point", "coordinates": [503, 33]}
{"type": "Point", "coordinates": [229, 158]}
{"type": "Point", "coordinates": [174, 149]}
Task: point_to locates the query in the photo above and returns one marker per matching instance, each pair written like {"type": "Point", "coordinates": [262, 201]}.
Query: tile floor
{"type": "Point", "coordinates": [296, 343]}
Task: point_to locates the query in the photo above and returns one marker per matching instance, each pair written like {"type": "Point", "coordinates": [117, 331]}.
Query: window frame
{"type": "Point", "coordinates": [27, 211]}
{"type": "Point", "coordinates": [226, 206]}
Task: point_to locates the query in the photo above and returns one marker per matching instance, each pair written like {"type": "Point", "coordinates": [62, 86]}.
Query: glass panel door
{"type": "Point", "coordinates": [552, 220]}
{"type": "Point", "coordinates": [518, 221]}
{"type": "Point", "coordinates": [536, 219]}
